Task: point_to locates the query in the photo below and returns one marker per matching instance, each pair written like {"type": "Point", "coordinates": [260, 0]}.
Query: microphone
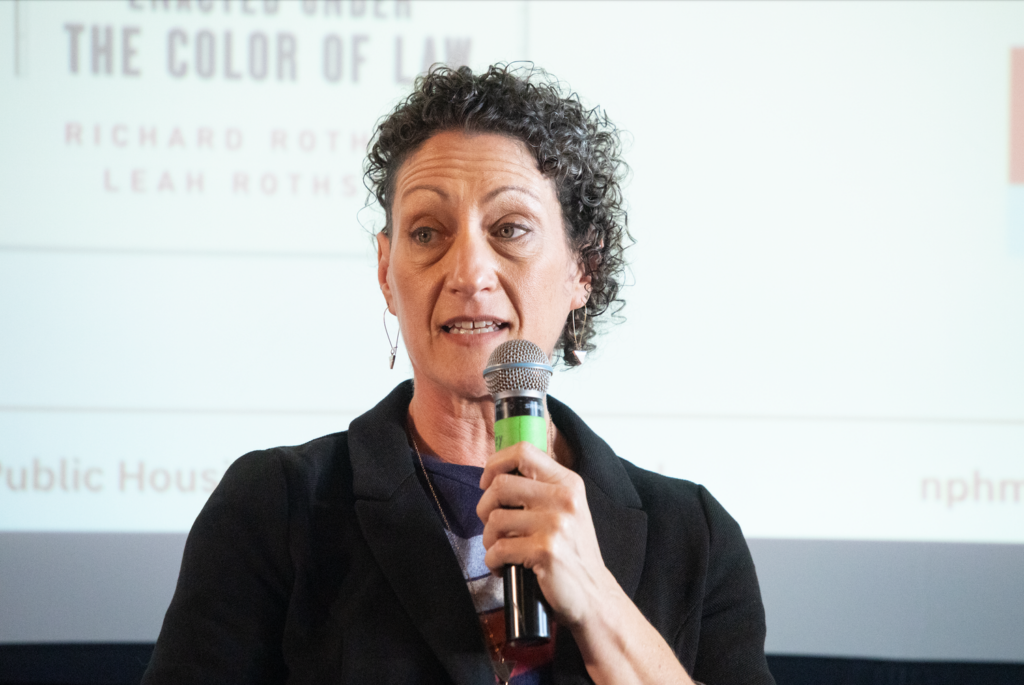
{"type": "Point", "coordinates": [517, 376]}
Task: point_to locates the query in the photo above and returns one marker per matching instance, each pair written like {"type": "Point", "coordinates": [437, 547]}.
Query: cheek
{"type": "Point", "coordinates": [414, 291]}
{"type": "Point", "coordinates": [546, 300]}
{"type": "Point", "coordinates": [403, 290]}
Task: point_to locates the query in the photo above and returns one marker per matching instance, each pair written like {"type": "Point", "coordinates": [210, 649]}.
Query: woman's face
{"type": "Point", "coordinates": [478, 255]}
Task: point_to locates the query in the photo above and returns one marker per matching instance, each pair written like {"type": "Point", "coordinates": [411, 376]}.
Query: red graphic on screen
{"type": "Point", "coordinates": [1017, 116]}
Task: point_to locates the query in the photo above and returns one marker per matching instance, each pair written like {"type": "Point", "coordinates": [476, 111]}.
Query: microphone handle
{"type": "Point", "coordinates": [527, 614]}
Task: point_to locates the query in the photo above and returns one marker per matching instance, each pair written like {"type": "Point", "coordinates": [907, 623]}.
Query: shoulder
{"type": "Point", "coordinates": [240, 565]}
{"type": "Point", "coordinates": [676, 500]}
{"type": "Point", "coordinates": [690, 531]}
{"type": "Point", "coordinates": [701, 586]}
{"type": "Point", "coordinates": [265, 492]}
{"type": "Point", "coordinates": [247, 527]}
{"type": "Point", "coordinates": [311, 470]}
{"type": "Point", "coordinates": [657, 489]}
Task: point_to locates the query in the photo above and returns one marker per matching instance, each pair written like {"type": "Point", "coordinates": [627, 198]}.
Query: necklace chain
{"type": "Point", "coordinates": [503, 668]}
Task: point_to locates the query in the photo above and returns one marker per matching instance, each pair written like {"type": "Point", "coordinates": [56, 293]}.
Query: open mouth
{"type": "Point", "coordinates": [474, 327]}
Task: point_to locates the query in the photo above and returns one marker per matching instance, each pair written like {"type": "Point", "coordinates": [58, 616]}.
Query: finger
{"type": "Point", "coordinates": [515, 550]}
{"type": "Point", "coordinates": [512, 523]}
{"type": "Point", "coordinates": [527, 459]}
{"type": "Point", "coordinates": [508, 491]}
{"type": "Point", "coordinates": [506, 460]}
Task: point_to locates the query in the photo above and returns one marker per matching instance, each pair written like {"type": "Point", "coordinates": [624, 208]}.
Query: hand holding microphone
{"type": "Point", "coordinates": [517, 376]}
{"type": "Point", "coordinates": [541, 518]}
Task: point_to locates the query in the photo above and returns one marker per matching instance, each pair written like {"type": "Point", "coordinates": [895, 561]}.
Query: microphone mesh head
{"type": "Point", "coordinates": [517, 378]}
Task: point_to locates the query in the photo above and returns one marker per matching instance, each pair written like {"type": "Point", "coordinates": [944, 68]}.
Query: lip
{"type": "Point", "coordinates": [481, 318]}
{"type": "Point", "coordinates": [484, 328]}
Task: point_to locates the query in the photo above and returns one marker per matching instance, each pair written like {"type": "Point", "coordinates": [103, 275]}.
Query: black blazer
{"type": "Point", "coordinates": [326, 563]}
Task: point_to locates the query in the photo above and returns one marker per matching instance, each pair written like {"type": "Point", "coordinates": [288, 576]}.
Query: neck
{"type": "Point", "coordinates": [455, 429]}
{"type": "Point", "coordinates": [461, 431]}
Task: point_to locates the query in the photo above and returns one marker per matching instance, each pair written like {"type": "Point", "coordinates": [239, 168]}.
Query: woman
{"type": "Point", "coordinates": [333, 561]}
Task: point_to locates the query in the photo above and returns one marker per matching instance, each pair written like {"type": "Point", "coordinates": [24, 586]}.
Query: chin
{"type": "Point", "coordinates": [470, 387]}
{"type": "Point", "coordinates": [457, 380]}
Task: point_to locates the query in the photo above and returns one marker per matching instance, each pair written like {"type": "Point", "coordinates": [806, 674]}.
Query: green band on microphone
{"type": "Point", "coordinates": [532, 429]}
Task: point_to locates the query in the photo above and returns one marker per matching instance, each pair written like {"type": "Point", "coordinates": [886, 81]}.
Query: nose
{"type": "Point", "coordinates": [473, 264]}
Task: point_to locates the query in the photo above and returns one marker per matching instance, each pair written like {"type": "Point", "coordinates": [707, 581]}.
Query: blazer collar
{"type": "Point", "coordinates": [408, 540]}
{"type": "Point", "coordinates": [615, 506]}
{"type": "Point", "coordinates": [619, 523]}
{"type": "Point", "coordinates": [379, 447]}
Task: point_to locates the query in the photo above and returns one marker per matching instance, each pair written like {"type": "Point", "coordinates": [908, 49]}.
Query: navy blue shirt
{"type": "Point", "coordinates": [458, 490]}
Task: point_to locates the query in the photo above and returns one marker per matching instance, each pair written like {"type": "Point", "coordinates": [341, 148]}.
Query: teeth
{"type": "Point", "coordinates": [473, 327]}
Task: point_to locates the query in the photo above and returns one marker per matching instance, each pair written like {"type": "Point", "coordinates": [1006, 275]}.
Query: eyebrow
{"type": "Point", "coordinates": [433, 189]}
{"type": "Point", "coordinates": [488, 197]}
{"type": "Point", "coordinates": [514, 189]}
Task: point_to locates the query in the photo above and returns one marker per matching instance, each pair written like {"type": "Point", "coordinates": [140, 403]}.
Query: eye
{"type": "Point", "coordinates": [509, 231]}
{"type": "Point", "coordinates": [423, 234]}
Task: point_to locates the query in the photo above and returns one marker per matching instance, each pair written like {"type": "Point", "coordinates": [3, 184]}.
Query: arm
{"type": "Point", "coordinates": [554, 535]}
{"type": "Point", "coordinates": [732, 623]}
{"type": "Point", "coordinates": [225, 622]}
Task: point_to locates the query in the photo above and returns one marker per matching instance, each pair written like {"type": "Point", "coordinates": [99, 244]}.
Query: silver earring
{"type": "Point", "coordinates": [579, 352]}
{"type": "Point", "coordinates": [394, 346]}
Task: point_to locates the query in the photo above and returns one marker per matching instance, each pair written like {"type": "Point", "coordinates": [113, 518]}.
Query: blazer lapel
{"type": "Point", "coordinates": [615, 506]}
{"type": "Point", "coordinates": [408, 540]}
{"type": "Point", "coordinates": [619, 522]}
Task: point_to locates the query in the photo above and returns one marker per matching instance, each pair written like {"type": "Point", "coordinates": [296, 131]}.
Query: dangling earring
{"type": "Point", "coordinates": [394, 347]}
{"type": "Point", "coordinates": [579, 352]}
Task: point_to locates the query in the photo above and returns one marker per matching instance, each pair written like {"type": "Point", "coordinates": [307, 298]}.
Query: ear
{"type": "Point", "coordinates": [383, 265]}
{"type": "Point", "coordinates": [580, 286]}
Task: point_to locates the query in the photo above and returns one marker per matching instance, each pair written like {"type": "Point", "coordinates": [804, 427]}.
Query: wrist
{"type": "Point", "coordinates": [601, 628]}
{"type": "Point", "coordinates": [620, 646]}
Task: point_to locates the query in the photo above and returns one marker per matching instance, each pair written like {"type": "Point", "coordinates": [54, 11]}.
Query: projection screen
{"type": "Point", "coordinates": [824, 323]}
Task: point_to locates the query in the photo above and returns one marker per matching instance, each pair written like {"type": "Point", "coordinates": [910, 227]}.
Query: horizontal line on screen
{"type": "Point", "coordinates": [798, 418]}
{"type": "Point", "coordinates": [12, 408]}
{"type": "Point", "coordinates": [44, 409]}
{"type": "Point", "coordinates": [173, 252]}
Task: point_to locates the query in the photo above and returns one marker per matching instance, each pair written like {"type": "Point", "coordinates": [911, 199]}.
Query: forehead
{"type": "Point", "coordinates": [469, 160]}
